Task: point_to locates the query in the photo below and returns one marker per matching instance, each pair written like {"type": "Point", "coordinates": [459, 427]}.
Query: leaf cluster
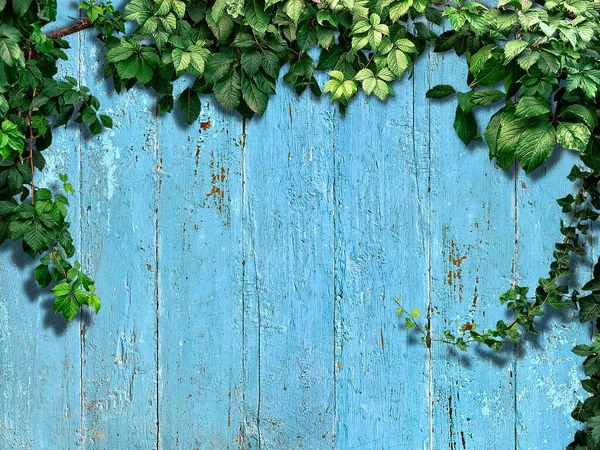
{"type": "Point", "coordinates": [538, 67]}
{"type": "Point", "coordinates": [239, 49]}
{"type": "Point", "coordinates": [34, 100]}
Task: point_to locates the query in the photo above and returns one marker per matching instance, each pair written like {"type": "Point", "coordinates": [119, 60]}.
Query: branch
{"type": "Point", "coordinates": [82, 24]}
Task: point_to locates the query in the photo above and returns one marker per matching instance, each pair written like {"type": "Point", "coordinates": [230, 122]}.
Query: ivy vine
{"type": "Point", "coordinates": [537, 63]}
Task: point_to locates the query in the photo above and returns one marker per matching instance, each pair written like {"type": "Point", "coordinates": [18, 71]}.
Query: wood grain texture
{"type": "Point", "coordinates": [200, 324]}
{"type": "Point", "coordinates": [382, 374]}
{"type": "Point", "coordinates": [119, 203]}
{"type": "Point", "coordinates": [288, 281]}
{"type": "Point", "coordinates": [472, 252]}
{"type": "Point", "coordinates": [249, 271]}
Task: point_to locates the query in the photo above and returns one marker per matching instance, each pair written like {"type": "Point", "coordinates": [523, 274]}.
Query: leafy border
{"type": "Point", "coordinates": [536, 63]}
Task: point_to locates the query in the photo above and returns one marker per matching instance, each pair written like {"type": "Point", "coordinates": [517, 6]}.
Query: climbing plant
{"type": "Point", "coordinates": [536, 63]}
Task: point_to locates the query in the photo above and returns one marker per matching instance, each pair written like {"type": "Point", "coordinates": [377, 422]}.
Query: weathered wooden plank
{"type": "Point", "coordinates": [382, 374]}
{"type": "Point", "coordinates": [39, 352]}
{"type": "Point", "coordinates": [548, 373]}
{"type": "Point", "coordinates": [119, 196]}
{"type": "Point", "coordinates": [472, 250]}
{"type": "Point", "coordinates": [200, 281]}
{"type": "Point", "coordinates": [288, 283]}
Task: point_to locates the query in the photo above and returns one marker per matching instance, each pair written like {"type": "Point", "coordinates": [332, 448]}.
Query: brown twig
{"type": "Point", "coordinates": [82, 24]}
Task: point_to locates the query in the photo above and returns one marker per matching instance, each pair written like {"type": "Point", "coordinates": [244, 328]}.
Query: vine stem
{"type": "Point", "coordinates": [31, 159]}
{"type": "Point", "coordinates": [31, 166]}
{"type": "Point", "coordinates": [54, 255]}
{"type": "Point", "coordinates": [81, 24]}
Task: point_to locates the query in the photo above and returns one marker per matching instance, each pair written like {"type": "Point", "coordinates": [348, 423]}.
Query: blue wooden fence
{"type": "Point", "coordinates": [248, 272]}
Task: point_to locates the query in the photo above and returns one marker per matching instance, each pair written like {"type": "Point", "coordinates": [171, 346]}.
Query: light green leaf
{"type": "Point", "coordinates": [67, 305]}
{"type": "Point", "coordinates": [513, 49]}
{"type": "Point", "coordinates": [181, 59]}
{"type": "Point", "coordinates": [294, 8]}
{"type": "Point", "coordinates": [397, 62]}
{"type": "Point", "coordinates": [94, 302]}
{"type": "Point", "coordinates": [573, 136]}
{"type": "Point", "coordinates": [363, 74]}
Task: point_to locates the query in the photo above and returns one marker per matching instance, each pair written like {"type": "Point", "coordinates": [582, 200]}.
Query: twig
{"type": "Point", "coordinates": [82, 24]}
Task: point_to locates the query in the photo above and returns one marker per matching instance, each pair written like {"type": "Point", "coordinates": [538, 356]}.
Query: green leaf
{"type": "Point", "coordinates": [270, 63]}
{"type": "Point", "coordinates": [106, 120]}
{"type": "Point", "coordinates": [165, 104]}
{"type": "Point", "coordinates": [397, 62]}
{"type": "Point", "coordinates": [128, 68]}
{"type": "Point", "coordinates": [582, 350]}
{"type": "Point", "coordinates": [529, 107]}
{"type": "Point", "coordinates": [585, 114]}
{"type": "Point", "coordinates": [188, 104]}
{"type": "Point", "coordinates": [592, 285]}
{"type": "Point", "coordinates": [251, 62]}
{"type": "Point", "coordinates": [328, 58]}
{"type": "Point", "coordinates": [46, 9]}
{"type": "Point", "coordinates": [594, 425]}
{"type": "Point", "coordinates": [465, 125]}
{"type": "Point", "coordinates": [42, 275]}
{"type": "Point", "coordinates": [121, 52]}
{"type": "Point", "coordinates": [228, 91]}
{"type": "Point", "coordinates": [217, 66]}
{"type": "Point", "coordinates": [67, 305]}
{"type": "Point", "coordinates": [511, 129]}
{"type": "Point", "coordinates": [440, 91]}
{"type": "Point", "coordinates": [221, 28]}
{"type": "Point", "coordinates": [6, 208]}
{"type": "Point", "coordinates": [256, 16]}
{"type": "Point", "coordinates": [492, 71]}
{"type": "Point", "coordinates": [492, 133]}
{"type": "Point", "coordinates": [513, 49]}
{"type": "Point", "coordinates": [20, 7]}
{"type": "Point", "coordinates": [535, 145]}
{"type": "Point", "coordinates": [37, 236]}
{"type": "Point", "coordinates": [254, 97]}
{"type": "Point", "coordinates": [548, 63]}
{"type": "Point", "coordinates": [486, 97]}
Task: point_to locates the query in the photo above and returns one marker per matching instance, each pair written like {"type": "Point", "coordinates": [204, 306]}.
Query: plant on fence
{"type": "Point", "coordinates": [536, 63]}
